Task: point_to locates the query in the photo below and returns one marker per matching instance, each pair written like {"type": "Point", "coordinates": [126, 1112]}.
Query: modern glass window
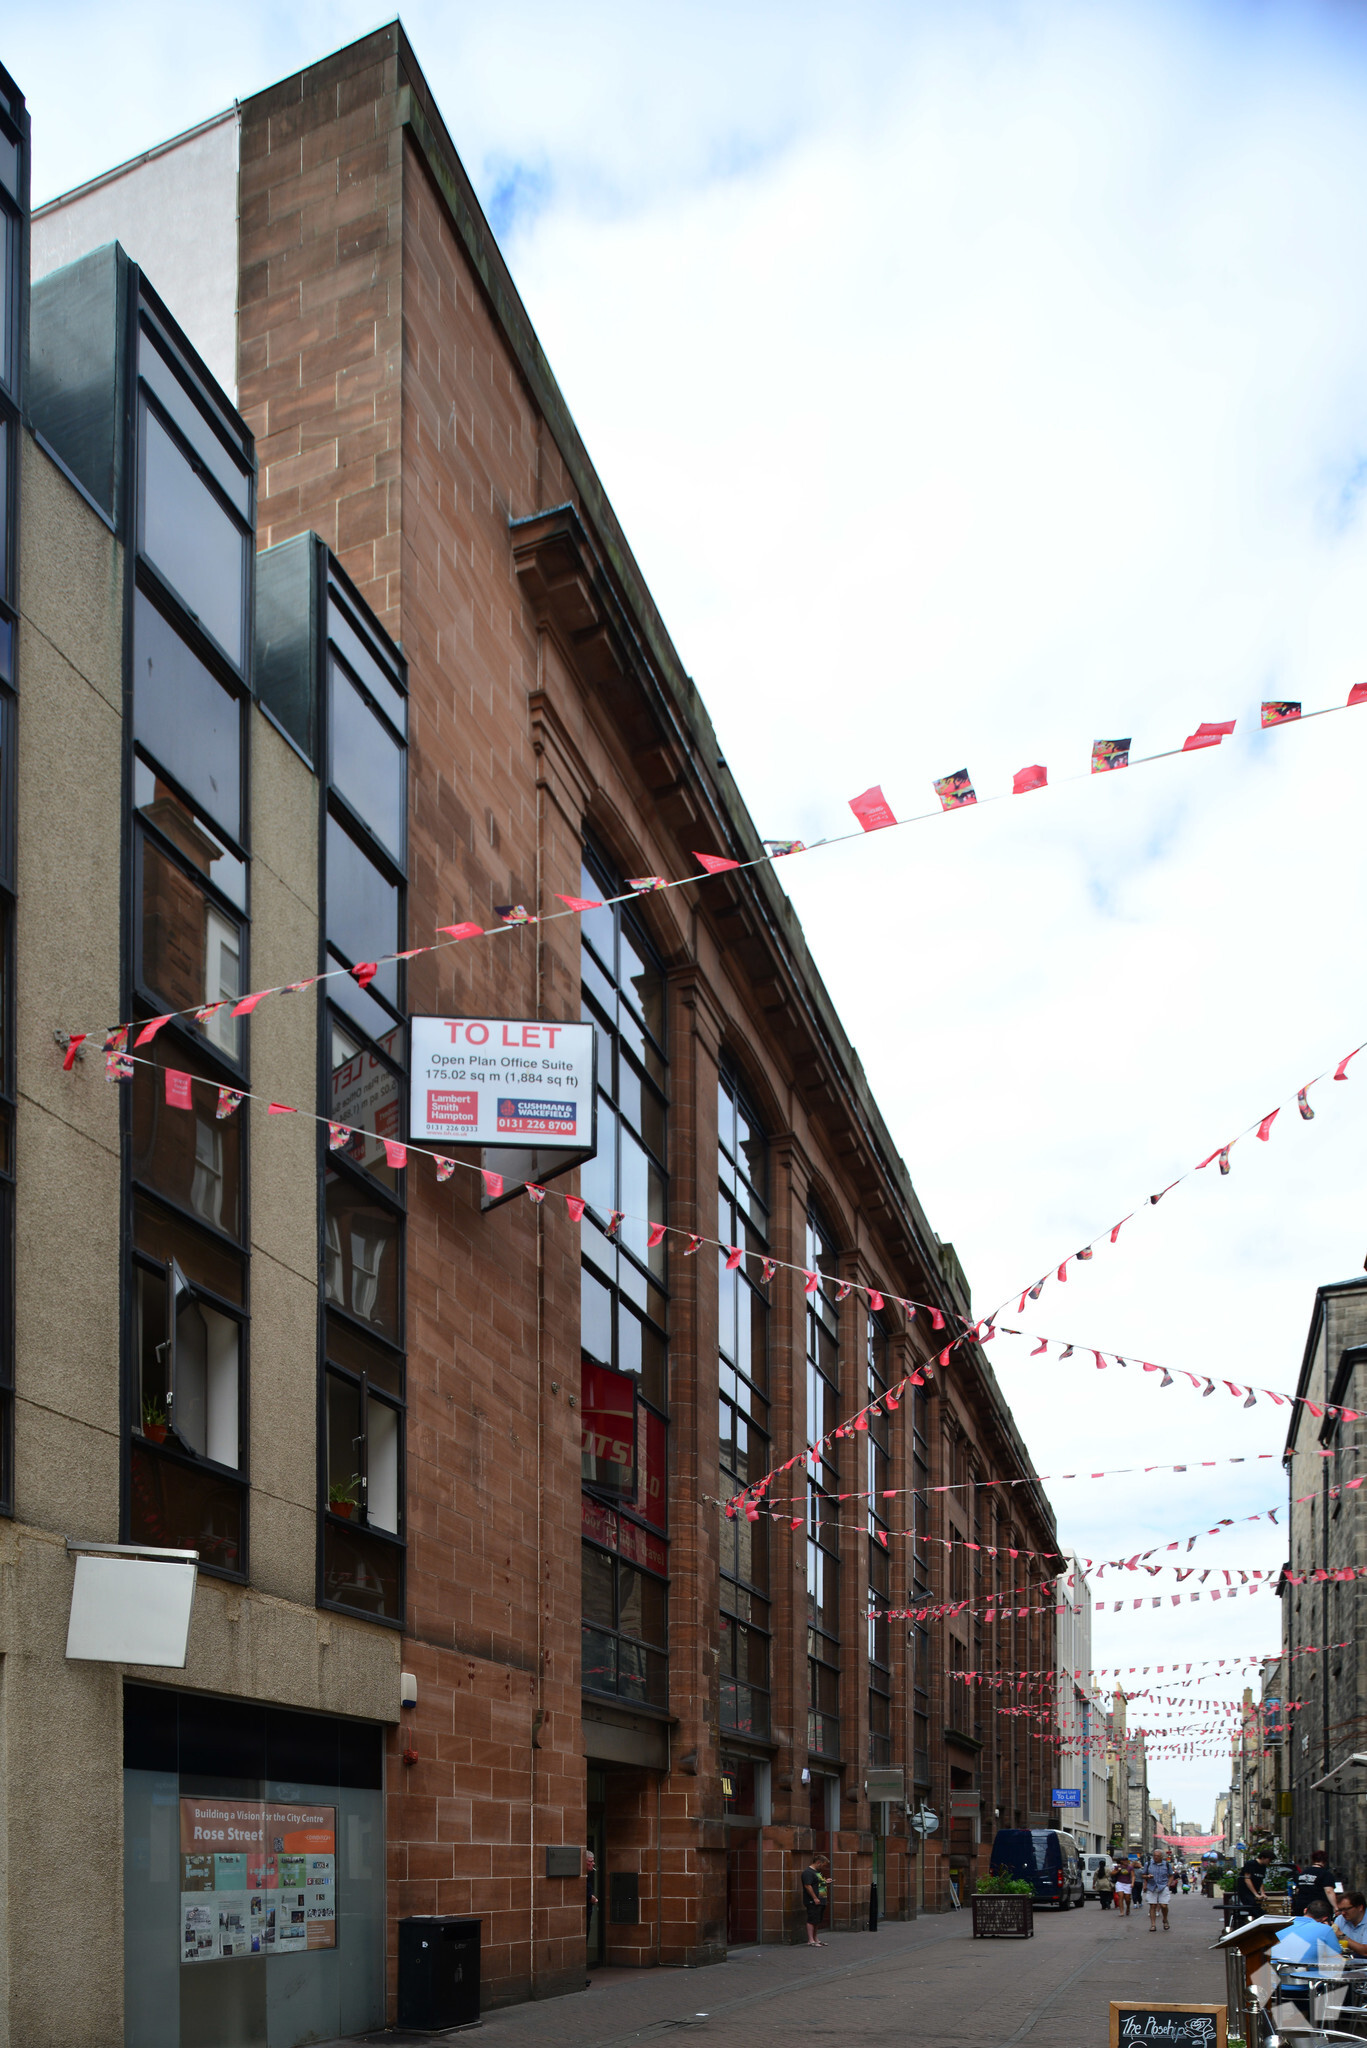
{"type": "Point", "coordinates": [823, 1487]}
{"type": "Point", "coordinates": [623, 1322]}
{"type": "Point", "coordinates": [188, 1314]}
{"type": "Point", "coordinates": [877, 1466]}
{"type": "Point", "coordinates": [625, 1628]}
{"type": "Point", "coordinates": [363, 1376]}
{"type": "Point", "coordinates": [14, 143]}
{"type": "Point", "coordinates": [742, 1405]}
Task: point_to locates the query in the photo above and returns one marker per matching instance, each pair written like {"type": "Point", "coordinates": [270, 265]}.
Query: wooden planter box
{"type": "Point", "coordinates": [1010, 1913]}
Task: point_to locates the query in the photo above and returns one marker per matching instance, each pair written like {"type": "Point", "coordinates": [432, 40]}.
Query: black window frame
{"type": "Point", "coordinates": [878, 1468]}
{"type": "Point", "coordinates": [822, 1386]}
{"type": "Point", "coordinates": [742, 1406]}
{"type": "Point", "coordinates": [658, 1652]}
{"type": "Point", "coordinates": [14, 255]}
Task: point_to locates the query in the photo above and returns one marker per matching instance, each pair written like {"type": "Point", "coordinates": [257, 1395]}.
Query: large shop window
{"type": "Point", "coordinates": [362, 1359]}
{"type": "Point", "coordinates": [254, 1868]}
{"type": "Point", "coordinates": [743, 1407]}
{"type": "Point", "coordinates": [823, 1487]}
{"type": "Point", "coordinates": [623, 1312]}
{"type": "Point", "coordinates": [186, 1378]}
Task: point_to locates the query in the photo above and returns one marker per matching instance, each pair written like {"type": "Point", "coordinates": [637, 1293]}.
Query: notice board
{"type": "Point", "coordinates": [1177, 2026]}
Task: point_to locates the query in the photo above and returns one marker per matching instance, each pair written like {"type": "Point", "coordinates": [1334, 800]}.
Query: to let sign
{"type": "Point", "coordinates": [510, 1081]}
{"type": "Point", "coordinates": [1180, 2026]}
{"type": "Point", "coordinates": [1067, 1795]}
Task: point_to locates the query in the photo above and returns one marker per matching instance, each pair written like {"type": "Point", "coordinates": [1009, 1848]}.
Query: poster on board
{"type": "Point", "coordinates": [507, 1081]}
{"type": "Point", "coordinates": [256, 1878]}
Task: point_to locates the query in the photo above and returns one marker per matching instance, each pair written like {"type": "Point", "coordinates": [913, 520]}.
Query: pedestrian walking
{"type": "Point", "coordinates": [1124, 1885]}
{"type": "Point", "coordinates": [1250, 1900]}
{"type": "Point", "coordinates": [814, 1898]}
{"type": "Point", "coordinates": [1103, 1884]}
{"type": "Point", "coordinates": [1316, 1881]}
{"type": "Point", "coordinates": [1157, 1891]}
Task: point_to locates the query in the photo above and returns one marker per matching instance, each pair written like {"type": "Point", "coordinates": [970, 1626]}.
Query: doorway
{"type": "Point", "coordinates": [596, 1925]}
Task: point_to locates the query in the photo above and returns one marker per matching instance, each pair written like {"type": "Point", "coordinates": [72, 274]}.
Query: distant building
{"type": "Point", "coordinates": [1080, 1713]}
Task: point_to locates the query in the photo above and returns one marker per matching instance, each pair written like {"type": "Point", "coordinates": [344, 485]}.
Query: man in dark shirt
{"type": "Point", "coordinates": [1249, 1899]}
{"type": "Point", "coordinates": [812, 1899]}
{"type": "Point", "coordinates": [1317, 1881]}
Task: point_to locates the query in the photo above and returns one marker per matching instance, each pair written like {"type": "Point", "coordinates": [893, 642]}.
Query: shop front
{"type": "Point", "coordinates": [254, 1861]}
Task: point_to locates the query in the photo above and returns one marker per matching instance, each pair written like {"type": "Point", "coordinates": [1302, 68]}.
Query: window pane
{"type": "Point", "coordinates": [191, 951]}
{"type": "Point", "coordinates": [186, 1155]}
{"type": "Point", "coordinates": [183, 715]}
{"type": "Point", "coordinates": [344, 1445]}
{"type": "Point", "coordinates": [173, 818]}
{"type": "Point", "coordinates": [608, 1406]}
{"type": "Point", "coordinates": [362, 1256]}
{"type": "Point", "coordinates": [204, 1404]}
{"type": "Point", "coordinates": [382, 1466]}
{"type": "Point", "coordinates": [364, 1094]}
{"type": "Point", "coordinates": [231, 478]}
{"type": "Point", "coordinates": [643, 984]}
{"type": "Point", "coordinates": [165, 1237]}
{"type": "Point", "coordinates": [361, 1571]}
{"type": "Point", "coordinates": [599, 1667]}
{"type": "Point", "coordinates": [355, 648]}
{"type": "Point", "coordinates": [641, 1674]}
{"type": "Point", "coordinates": [596, 1577]}
{"type": "Point", "coordinates": [595, 1319]}
{"type": "Point", "coordinates": [367, 763]}
{"type": "Point", "coordinates": [189, 536]}
{"type": "Point", "coordinates": [652, 1479]}
{"type": "Point", "coordinates": [175, 1506]}
{"type": "Point", "coordinates": [641, 1606]}
{"type": "Point", "coordinates": [362, 909]}
{"type": "Point", "coordinates": [360, 1354]}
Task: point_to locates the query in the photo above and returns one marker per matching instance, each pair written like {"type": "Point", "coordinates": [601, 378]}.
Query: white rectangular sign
{"type": "Point", "coordinates": [508, 1081]}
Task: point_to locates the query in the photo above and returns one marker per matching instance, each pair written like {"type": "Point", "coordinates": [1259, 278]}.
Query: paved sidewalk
{"type": "Point", "coordinates": [919, 1984]}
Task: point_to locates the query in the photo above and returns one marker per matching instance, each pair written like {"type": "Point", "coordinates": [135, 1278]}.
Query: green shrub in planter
{"type": "Point", "coordinates": [1002, 1881]}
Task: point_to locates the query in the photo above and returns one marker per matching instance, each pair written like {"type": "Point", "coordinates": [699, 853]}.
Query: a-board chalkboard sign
{"type": "Point", "coordinates": [1167, 2026]}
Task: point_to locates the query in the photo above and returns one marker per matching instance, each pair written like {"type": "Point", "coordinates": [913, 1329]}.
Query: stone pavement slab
{"type": "Point", "coordinates": [918, 1984]}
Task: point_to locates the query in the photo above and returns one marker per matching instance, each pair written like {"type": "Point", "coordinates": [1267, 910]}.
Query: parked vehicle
{"type": "Point", "coordinates": [1091, 1867]}
{"type": "Point", "coordinates": [1047, 1857]}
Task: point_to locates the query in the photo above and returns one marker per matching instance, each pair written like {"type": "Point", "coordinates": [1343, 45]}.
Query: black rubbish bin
{"type": "Point", "coordinates": [438, 1971]}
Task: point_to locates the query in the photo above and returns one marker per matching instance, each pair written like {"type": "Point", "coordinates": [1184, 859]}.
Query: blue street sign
{"type": "Point", "coordinates": [1067, 1795]}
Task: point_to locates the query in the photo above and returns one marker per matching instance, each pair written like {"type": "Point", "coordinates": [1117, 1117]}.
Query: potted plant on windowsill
{"type": "Point", "coordinates": [342, 1496]}
{"type": "Point", "coordinates": [1003, 1904]}
{"type": "Point", "coordinates": [155, 1421]}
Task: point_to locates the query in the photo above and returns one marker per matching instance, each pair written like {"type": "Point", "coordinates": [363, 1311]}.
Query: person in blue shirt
{"type": "Point", "coordinates": [1157, 1890]}
{"type": "Point", "coordinates": [1311, 1941]}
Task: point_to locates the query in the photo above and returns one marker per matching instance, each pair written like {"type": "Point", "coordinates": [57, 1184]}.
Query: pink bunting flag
{"type": "Point", "coordinates": [535, 1193]}
{"type": "Point", "coordinates": [810, 1282]}
{"type": "Point", "coordinates": [1280, 712]}
{"type": "Point", "coordinates": [1265, 1127]}
{"type": "Point", "coordinates": [493, 1183]}
{"type": "Point", "coordinates": [149, 1031]}
{"type": "Point", "coordinates": [733, 1257]}
{"type": "Point", "coordinates": [280, 1109]}
{"type": "Point", "coordinates": [1029, 778]}
{"type": "Point", "coordinates": [1358, 694]}
{"type": "Point", "coordinates": [1303, 1106]}
{"type": "Point", "coordinates": [580, 903]}
{"type": "Point", "coordinates": [944, 1358]}
{"type": "Point", "coordinates": [1208, 735]}
{"type": "Point", "coordinates": [73, 1046]}
{"type": "Point", "coordinates": [461, 931]}
{"type": "Point", "coordinates": [395, 1155]}
{"type": "Point", "coordinates": [875, 1300]}
{"type": "Point", "coordinates": [575, 1205]}
{"type": "Point", "coordinates": [1209, 1160]}
{"type": "Point", "coordinates": [178, 1094]}
{"type": "Point", "coordinates": [338, 1135]}
{"type": "Point", "coordinates": [713, 863]}
{"type": "Point", "coordinates": [655, 1235]}
{"type": "Point", "coordinates": [445, 1167]}
{"type": "Point", "coordinates": [954, 791]}
{"type": "Point", "coordinates": [1108, 754]}
{"type": "Point", "coordinates": [1043, 1345]}
{"type": "Point", "coordinates": [1100, 1361]}
{"type": "Point", "coordinates": [249, 1003]}
{"type": "Point", "coordinates": [117, 1039]}
{"type": "Point", "coordinates": [229, 1101]}
{"type": "Point", "coordinates": [1118, 1228]}
{"type": "Point", "coordinates": [937, 1321]}
{"type": "Point", "coordinates": [1340, 1071]}
{"type": "Point", "coordinates": [646, 885]}
{"type": "Point", "coordinates": [1063, 1270]}
{"type": "Point", "coordinates": [364, 972]}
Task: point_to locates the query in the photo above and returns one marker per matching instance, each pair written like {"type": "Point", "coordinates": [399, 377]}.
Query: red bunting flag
{"type": "Point", "coordinates": [118, 1067]}
{"type": "Point", "coordinates": [445, 1167]}
{"type": "Point", "coordinates": [1208, 735]}
{"type": "Point", "coordinates": [873, 809]}
{"type": "Point", "coordinates": [249, 1003]}
{"type": "Point", "coordinates": [778, 848]}
{"type": "Point", "coordinates": [229, 1100]}
{"type": "Point", "coordinates": [844, 1290]}
{"type": "Point", "coordinates": [944, 1359]}
{"type": "Point", "coordinates": [1209, 1160]}
{"type": "Point", "coordinates": [713, 864]}
{"type": "Point", "coordinates": [575, 1205]}
{"type": "Point", "coordinates": [767, 1270]}
{"type": "Point", "coordinates": [1358, 694]}
{"type": "Point", "coordinates": [365, 972]}
{"type": "Point", "coordinates": [694, 1245]}
{"type": "Point", "coordinates": [1043, 1345]}
{"type": "Point", "coordinates": [338, 1134]}
{"type": "Point", "coordinates": [1118, 1228]}
{"type": "Point", "coordinates": [734, 1256]}
{"type": "Point", "coordinates": [1340, 1071]}
{"type": "Point", "coordinates": [534, 1192]}
{"type": "Point", "coordinates": [810, 1282]}
{"type": "Point", "coordinates": [280, 1109]}
{"type": "Point", "coordinates": [493, 1183]}
{"type": "Point", "coordinates": [1108, 754]}
{"type": "Point", "coordinates": [1303, 1106]}
{"type": "Point", "coordinates": [580, 903]}
{"type": "Point", "coordinates": [954, 791]}
{"type": "Point", "coordinates": [149, 1031]}
{"type": "Point", "coordinates": [1100, 1361]}
{"type": "Point", "coordinates": [655, 1235]}
{"type": "Point", "coordinates": [395, 1155]}
{"type": "Point", "coordinates": [1280, 712]}
{"type": "Point", "coordinates": [1063, 1270]}
{"type": "Point", "coordinates": [937, 1321]}
{"type": "Point", "coordinates": [461, 931]}
{"type": "Point", "coordinates": [178, 1094]}
{"type": "Point", "coordinates": [645, 885]}
{"type": "Point", "coordinates": [614, 1219]}
{"type": "Point", "coordinates": [875, 1300]}
{"type": "Point", "coordinates": [514, 913]}
{"type": "Point", "coordinates": [73, 1046]}
{"type": "Point", "coordinates": [1265, 1127]}
{"type": "Point", "coordinates": [1029, 778]}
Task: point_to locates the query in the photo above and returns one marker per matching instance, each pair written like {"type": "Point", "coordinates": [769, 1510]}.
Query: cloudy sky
{"type": "Point", "coordinates": [973, 382]}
